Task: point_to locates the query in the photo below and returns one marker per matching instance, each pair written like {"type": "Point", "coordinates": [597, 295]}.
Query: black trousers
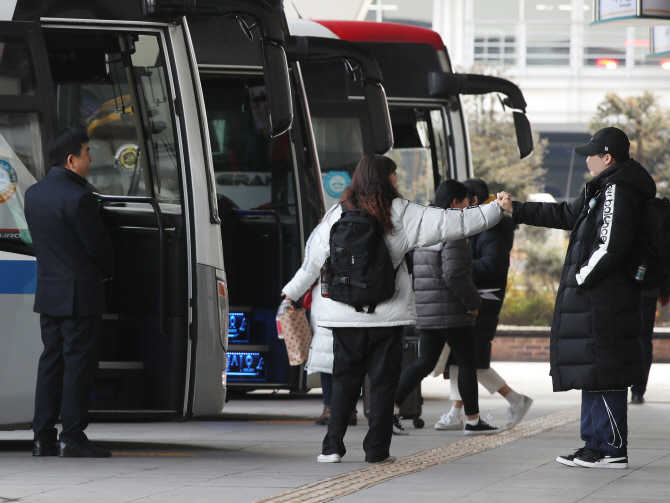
{"type": "Point", "coordinates": [377, 352]}
{"type": "Point", "coordinates": [648, 319]}
{"type": "Point", "coordinates": [64, 376]}
{"type": "Point", "coordinates": [463, 346]}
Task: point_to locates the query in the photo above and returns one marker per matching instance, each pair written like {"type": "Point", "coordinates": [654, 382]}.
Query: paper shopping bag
{"type": "Point", "coordinates": [297, 334]}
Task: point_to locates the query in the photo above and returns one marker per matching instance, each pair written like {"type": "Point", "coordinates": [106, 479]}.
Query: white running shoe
{"type": "Point", "coordinates": [515, 412]}
{"type": "Point", "coordinates": [329, 458]}
{"type": "Point", "coordinates": [449, 422]}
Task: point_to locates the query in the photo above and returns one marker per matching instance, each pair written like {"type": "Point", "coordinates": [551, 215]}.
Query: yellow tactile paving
{"type": "Point", "coordinates": [348, 483]}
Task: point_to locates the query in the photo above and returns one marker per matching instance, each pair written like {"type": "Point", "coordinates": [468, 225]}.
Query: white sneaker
{"type": "Point", "coordinates": [515, 412]}
{"type": "Point", "coordinates": [329, 458]}
{"type": "Point", "coordinates": [449, 422]}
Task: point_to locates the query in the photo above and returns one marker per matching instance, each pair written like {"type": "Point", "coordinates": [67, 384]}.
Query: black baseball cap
{"type": "Point", "coordinates": [609, 140]}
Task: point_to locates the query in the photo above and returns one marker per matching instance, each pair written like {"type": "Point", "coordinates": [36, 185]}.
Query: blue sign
{"type": "Point", "coordinates": [335, 182]}
{"type": "Point", "coordinates": [238, 329]}
{"type": "Point", "coordinates": [243, 365]}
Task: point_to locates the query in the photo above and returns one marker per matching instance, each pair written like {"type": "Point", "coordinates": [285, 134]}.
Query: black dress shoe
{"type": "Point", "coordinates": [42, 448]}
{"type": "Point", "coordinates": [636, 398]}
{"type": "Point", "coordinates": [82, 451]}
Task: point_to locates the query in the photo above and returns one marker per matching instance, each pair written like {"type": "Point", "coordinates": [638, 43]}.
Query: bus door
{"type": "Point", "coordinates": [421, 150]}
{"type": "Point", "coordinates": [26, 121]}
{"type": "Point", "coordinates": [119, 85]}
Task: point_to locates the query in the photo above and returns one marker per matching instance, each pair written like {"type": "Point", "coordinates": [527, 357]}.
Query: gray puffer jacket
{"type": "Point", "coordinates": [443, 286]}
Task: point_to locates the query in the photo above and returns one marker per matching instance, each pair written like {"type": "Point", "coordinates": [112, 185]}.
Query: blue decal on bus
{"type": "Point", "coordinates": [245, 365]}
{"type": "Point", "coordinates": [238, 330]}
{"type": "Point", "coordinates": [335, 182]}
{"type": "Point", "coordinates": [18, 276]}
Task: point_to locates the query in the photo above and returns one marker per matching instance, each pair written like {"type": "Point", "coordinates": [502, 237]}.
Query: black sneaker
{"type": "Point", "coordinates": [481, 428]}
{"type": "Point", "coordinates": [637, 398]}
{"type": "Point", "coordinates": [598, 459]}
{"type": "Point", "coordinates": [397, 426]}
{"type": "Point", "coordinates": [569, 460]}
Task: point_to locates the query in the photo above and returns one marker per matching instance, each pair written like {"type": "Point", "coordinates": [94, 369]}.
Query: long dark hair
{"type": "Point", "coordinates": [448, 191]}
{"type": "Point", "coordinates": [477, 187]}
{"type": "Point", "coordinates": [371, 189]}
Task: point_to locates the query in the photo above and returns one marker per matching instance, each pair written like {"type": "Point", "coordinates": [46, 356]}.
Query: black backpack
{"type": "Point", "coordinates": [361, 269]}
{"type": "Point", "coordinates": [649, 262]}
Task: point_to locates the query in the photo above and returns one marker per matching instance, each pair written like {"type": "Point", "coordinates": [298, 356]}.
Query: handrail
{"type": "Point", "coordinates": [161, 249]}
{"type": "Point", "coordinates": [280, 237]}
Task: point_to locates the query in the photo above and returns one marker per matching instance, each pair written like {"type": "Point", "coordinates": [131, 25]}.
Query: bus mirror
{"type": "Point", "coordinates": [524, 134]}
{"type": "Point", "coordinates": [321, 49]}
{"type": "Point", "coordinates": [378, 114]}
{"type": "Point", "coordinates": [443, 85]}
{"type": "Point", "coordinates": [272, 41]}
{"type": "Point", "coordinates": [278, 88]}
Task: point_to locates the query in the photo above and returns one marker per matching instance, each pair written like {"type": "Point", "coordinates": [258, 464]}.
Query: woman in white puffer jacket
{"type": "Point", "coordinates": [372, 343]}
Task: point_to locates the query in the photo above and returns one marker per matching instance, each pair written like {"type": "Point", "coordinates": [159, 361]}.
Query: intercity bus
{"type": "Point", "coordinates": [125, 72]}
{"type": "Point", "coordinates": [269, 190]}
{"type": "Point", "coordinates": [431, 141]}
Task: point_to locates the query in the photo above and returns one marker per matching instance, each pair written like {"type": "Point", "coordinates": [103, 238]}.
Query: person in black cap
{"type": "Point", "coordinates": [595, 333]}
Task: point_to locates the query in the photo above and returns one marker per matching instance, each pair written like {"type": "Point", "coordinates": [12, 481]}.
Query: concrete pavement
{"type": "Point", "coordinates": [266, 444]}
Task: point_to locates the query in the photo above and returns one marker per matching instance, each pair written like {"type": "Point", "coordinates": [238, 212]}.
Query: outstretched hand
{"type": "Point", "coordinates": [505, 201]}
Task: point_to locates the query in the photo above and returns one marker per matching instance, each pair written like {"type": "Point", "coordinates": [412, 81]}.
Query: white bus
{"type": "Point", "coordinates": [125, 72]}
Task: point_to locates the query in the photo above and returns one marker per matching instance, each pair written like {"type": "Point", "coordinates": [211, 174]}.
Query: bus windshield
{"type": "Point", "coordinates": [253, 171]}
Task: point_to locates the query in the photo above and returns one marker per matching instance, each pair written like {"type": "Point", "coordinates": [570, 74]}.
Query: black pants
{"type": "Point", "coordinates": [377, 352]}
{"type": "Point", "coordinates": [463, 346]}
{"type": "Point", "coordinates": [648, 319]}
{"type": "Point", "coordinates": [64, 376]}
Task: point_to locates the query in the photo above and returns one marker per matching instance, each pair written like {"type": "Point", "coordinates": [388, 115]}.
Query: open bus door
{"type": "Point", "coordinates": [26, 121]}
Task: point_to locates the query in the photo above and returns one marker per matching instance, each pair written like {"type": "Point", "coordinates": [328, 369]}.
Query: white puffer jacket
{"type": "Point", "coordinates": [414, 226]}
{"type": "Point", "coordinates": [320, 357]}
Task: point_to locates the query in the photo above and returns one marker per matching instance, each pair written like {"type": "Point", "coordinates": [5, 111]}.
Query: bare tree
{"type": "Point", "coordinates": [647, 125]}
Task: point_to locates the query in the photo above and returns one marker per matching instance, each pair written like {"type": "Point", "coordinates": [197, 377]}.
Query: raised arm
{"type": "Point", "coordinates": [427, 226]}
{"type": "Point", "coordinates": [553, 215]}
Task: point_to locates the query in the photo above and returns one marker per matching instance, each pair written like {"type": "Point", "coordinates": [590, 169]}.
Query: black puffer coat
{"type": "Point", "coordinates": [490, 254]}
{"type": "Point", "coordinates": [443, 288]}
{"type": "Point", "coordinates": [595, 333]}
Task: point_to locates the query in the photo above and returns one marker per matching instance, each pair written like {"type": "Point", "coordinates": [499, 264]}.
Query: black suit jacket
{"type": "Point", "coordinates": [73, 249]}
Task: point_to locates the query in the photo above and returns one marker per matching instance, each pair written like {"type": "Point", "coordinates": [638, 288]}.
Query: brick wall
{"type": "Point", "coordinates": [531, 344]}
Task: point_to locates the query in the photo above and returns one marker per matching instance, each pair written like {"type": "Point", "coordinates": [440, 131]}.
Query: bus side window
{"type": "Point", "coordinates": [21, 148]}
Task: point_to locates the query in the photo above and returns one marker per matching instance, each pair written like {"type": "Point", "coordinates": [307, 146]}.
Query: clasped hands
{"type": "Point", "coordinates": [505, 201]}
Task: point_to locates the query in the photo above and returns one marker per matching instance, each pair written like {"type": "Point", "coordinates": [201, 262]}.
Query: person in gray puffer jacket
{"type": "Point", "coordinates": [446, 305]}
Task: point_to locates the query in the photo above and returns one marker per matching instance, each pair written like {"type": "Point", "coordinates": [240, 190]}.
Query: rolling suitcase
{"type": "Point", "coordinates": [411, 408]}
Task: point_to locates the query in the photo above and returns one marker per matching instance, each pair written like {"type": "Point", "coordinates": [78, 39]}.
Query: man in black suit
{"type": "Point", "coordinates": [74, 257]}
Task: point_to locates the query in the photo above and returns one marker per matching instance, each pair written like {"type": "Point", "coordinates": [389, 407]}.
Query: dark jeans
{"type": "Point", "coordinates": [648, 319]}
{"type": "Point", "coordinates": [605, 421]}
{"type": "Point", "coordinates": [64, 376]}
{"type": "Point", "coordinates": [327, 388]}
{"type": "Point", "coordinates": [377, 352]}
{"type": "Point", "coordinates": [463, 345]}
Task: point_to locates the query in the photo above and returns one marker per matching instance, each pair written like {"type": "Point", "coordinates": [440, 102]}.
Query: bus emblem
{"type": "Point", "coordinates": [8, 181]}
{"type": "Point", "coordinates": [127, 158]}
